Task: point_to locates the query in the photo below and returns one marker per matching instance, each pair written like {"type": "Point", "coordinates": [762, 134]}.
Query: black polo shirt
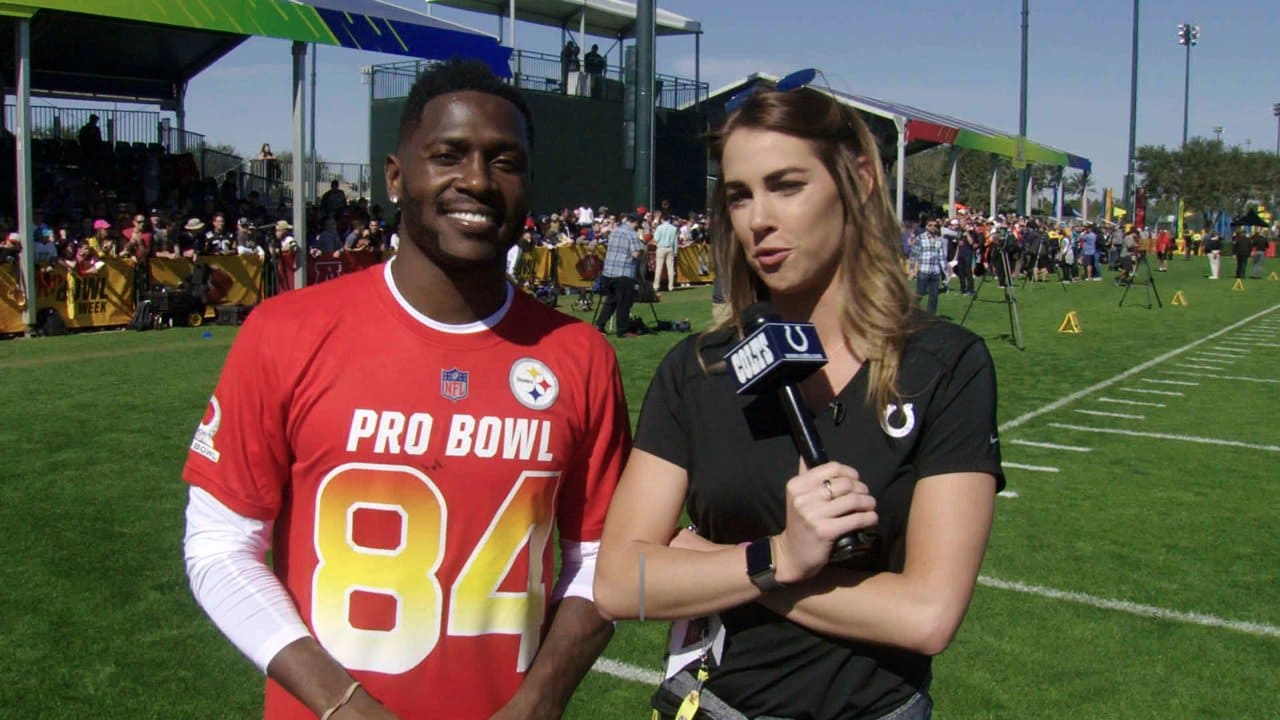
{"type": "Point", "coordinates": [739, 455]}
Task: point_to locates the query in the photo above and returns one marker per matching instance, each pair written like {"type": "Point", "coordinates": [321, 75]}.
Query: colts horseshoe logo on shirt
{"type": "Point", "coordinates": [909, 420]}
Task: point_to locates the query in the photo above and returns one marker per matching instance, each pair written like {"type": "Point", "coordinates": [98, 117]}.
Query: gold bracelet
{"type": "Point", "coordinates": [346, 698]}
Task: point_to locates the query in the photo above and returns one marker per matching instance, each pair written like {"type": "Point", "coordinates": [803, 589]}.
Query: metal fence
{"type": "Point", "coordinates": [125, 126]}
{"type": "Point", "coordinates": [116, 125]}
{"type": "Point", "coordinates": [215, 163]}
{"type": "Point", "coordinates": [273, 179]}
{"type": "Point", "coordinates": [540, 72]}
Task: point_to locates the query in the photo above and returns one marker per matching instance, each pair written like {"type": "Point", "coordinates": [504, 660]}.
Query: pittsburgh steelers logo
{"type": "Point", "coordinates": [533, 384]}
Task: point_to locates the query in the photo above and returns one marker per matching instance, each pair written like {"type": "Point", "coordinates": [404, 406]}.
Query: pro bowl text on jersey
{"type": "Point", "coordinates": [389, 432]}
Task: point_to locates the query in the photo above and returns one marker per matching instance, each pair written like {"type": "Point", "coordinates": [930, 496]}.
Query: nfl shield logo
{"type": "Point", "coordinates": [453, 384]}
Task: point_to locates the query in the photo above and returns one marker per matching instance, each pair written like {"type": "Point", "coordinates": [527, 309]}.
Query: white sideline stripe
{"type": "Point", "coordinates": [1103, 413]}
{"type": "Point", "coordinates": [1032, 468]}
{"type": "Point", "coordinates": [1007, 494]}
{"type": "Point", "coordinates": [1194, 618]}
{"type": "Point", "coordinates": [1166, 382]}
{"type": "Point", "coordinates": [626, 671]}
{"type": "Point", "coordinates": [1122, 401]}
{"type": "Point", "coordinates": [1130, 372]}
{"type": "Point", "coordinates": [1200, 367]}
{"type": "Point", "coordinates": [1146, 391]}
{"type": "Point", "coordinates": [1167, 436]}
{"type": "Point", "coordinates": [1051, 446]}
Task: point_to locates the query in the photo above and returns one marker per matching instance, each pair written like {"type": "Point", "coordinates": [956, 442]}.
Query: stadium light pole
{"type": "Point", "coordinates": [1275, 110]}
{"type": "Point", "coordinates": [1024, 172]}
{"type": "Point", "coordinates": [1217, 132]}
{"type": "Point", "coordinates": [1133, 118]}
{"type": "Point", "coordinates": [1188, 36]}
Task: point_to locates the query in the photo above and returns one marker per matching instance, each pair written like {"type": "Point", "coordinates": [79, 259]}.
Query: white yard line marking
{"type": "Point", "coordinates": [1194, 618]}
{"type": "Point", "coordinates": [1167, 436]}
{"type": "Point", "coordinates": [1032, 468]}
{"type": "Point", "coordinates": [1021, 419]}
{"type": "Point", "coordinates": [626, 671]}
{"type": "Point", "coordinates": [1103, 413]}
{"type": "Point", "coordinates": [1122, 401]}
{"type": "Point", "coordinates": [1217, 359]}
{"type": "Point", "coordinates": [1200, 367]}
{"type": "Point", "coordinates": [1007, 494]}
{"type": "Point", "coordinates": [1267, 345]}
{"type": "Point", "coordinates": [1241, 378]}
{"type": "Point", "coordinates": [1223, 355]}
{"type": "Point", "coordinates": [1166, 382]}
{"type": "Point", "coordinates": [1051, 446]}
{"type": "Point", "coordinates": [1147, 391]}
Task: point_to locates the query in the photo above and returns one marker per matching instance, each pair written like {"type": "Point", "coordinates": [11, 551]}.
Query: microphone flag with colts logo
{"type": "Point", "coordinates": [775, 352]}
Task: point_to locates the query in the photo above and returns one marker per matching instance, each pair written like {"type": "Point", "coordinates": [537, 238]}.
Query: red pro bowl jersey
{"type": "Point", "coordinates": [415, 474]}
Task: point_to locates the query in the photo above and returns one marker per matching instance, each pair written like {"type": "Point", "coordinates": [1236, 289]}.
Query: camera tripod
{"type": "Point", "coordinates": [1042, 256]}
{"type": "Point", "coordinates": [1010, 300]}
{"type": "Point", "coordinates": [644, 294]}
{"type": "Point", "coordinates": [1149, 282]}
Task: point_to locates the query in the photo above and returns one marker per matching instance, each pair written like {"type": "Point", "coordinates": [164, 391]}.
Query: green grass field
{"type": "Point", "coordinates": [1130, 577]}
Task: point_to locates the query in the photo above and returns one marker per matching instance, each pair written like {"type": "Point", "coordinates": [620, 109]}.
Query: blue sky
{"type": "Point", "coordinates": [957, 57]}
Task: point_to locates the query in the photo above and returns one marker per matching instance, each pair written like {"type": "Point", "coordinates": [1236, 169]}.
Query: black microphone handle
{"type": "Point", "coordinates": [809, 444]}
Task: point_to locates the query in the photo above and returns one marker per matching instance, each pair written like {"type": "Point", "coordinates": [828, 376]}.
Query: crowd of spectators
{"type": "Point", "coordinates": [1009, 247]}
{"type": "Point", "coordinates": [591, 226]}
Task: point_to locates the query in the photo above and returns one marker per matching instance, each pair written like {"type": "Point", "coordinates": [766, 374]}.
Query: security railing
{"type": "Point", "coordinates": [65, 123]}
{"type": "Point", "coordinates": [542, 72]}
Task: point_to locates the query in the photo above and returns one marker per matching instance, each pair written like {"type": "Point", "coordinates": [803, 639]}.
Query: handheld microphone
{"type": "Point", "coordinates": [776, 355]}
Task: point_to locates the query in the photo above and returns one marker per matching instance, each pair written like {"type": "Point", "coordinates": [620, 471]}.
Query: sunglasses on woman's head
{"type": "Point", "coordinates": [793, 81]}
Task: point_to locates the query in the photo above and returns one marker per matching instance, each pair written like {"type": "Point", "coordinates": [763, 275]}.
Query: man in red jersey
{"type": "Point", "coordinates": [405, 439]}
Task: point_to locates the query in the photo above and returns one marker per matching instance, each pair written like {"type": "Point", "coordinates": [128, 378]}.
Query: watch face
{"type": "Point", "coordinates": [759, 557]}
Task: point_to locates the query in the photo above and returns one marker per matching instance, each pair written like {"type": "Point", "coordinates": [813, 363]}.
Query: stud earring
{"type": "Point", "coordinates": [394, 200]}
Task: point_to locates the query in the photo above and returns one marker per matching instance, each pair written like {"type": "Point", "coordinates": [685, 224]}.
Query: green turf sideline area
{"type": "Point", "coordinates": [1137, 579]}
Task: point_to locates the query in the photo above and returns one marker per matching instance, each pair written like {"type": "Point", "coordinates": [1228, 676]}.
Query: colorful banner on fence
{"type": "Point", "coordinates": [106, 298]}
{"type": "Point", "coordinates": [235, 280]}
{"type": "Point", "coordinates": [13, 301]}
{"type": "Point", "coordinates": [98, 299]}
{"type": "Point", "coordinates": [693, 264]}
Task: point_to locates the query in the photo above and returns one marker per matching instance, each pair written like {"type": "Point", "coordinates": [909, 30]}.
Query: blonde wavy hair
{"type": "Point", "coordinates": [877, 318]}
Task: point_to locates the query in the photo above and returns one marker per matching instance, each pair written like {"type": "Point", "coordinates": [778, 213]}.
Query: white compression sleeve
{"type": "Point", "coordinates": [229, 577]}
{"type": "Point", "coordinates": [577, 570]}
